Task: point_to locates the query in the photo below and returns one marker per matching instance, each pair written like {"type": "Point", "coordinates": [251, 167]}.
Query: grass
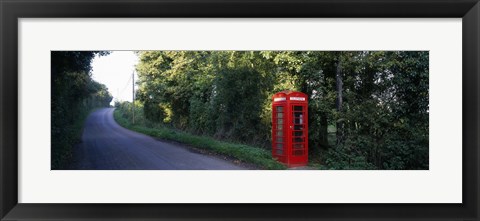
{"type": "Point", "coordinates": [257, 156]}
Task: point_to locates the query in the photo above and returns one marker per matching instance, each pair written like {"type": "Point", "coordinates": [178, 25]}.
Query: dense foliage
{"type": "Point", "coordinates": [73, 95]}
{"type": "Point", "coordinates": [367, 109]}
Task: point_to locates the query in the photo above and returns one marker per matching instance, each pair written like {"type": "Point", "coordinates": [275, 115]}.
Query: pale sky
{"type": "Point", "coordinates": [115, 71]}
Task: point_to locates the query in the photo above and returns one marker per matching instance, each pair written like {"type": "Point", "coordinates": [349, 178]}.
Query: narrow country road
{"type": "Point", "coordinates": [108, 146]}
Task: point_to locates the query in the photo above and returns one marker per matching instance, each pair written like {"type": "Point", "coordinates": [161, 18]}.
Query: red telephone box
{"type": "Point", "coordinates": [290, 128]}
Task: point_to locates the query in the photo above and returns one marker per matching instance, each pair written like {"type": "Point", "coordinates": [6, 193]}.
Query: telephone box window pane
{"type": "Point", "coordinates": [279, 121]}
{"type": "Point", "coordinates": [297, 108]}
{"type": "Point", "coordinates": [298, 121]}
{"type": "Point", "coordinates": [279, 152]}
{"type": "Point", "coordinates": [297, 115]}
{"type": "Point", "coordinates": [298, 146]}
{"type": "Point", "coordinates": [280, 139]}
{"type": "Point", "coordinates": [298, 127]}
{"type": "Point", "coordinates": [279, 133]}
{"type": "Point", "coordinates": [298, 133]}
{"type": "Point", "coordinates": [279, 126]}
{"type": "Point", "coordinates": [279, 115]}
{"type": "Point", "coordinates": [298, 139]}
{"type": "Point", "coordinates": [279, 109]}
{"type": "Point", "coordinates": [279, 145]}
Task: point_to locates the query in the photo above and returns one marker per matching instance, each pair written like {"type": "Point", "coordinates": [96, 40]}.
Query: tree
{"type": "Point", "coordinates": [367, 109]}
{"type": "Point", "coordinates": [73, 93]}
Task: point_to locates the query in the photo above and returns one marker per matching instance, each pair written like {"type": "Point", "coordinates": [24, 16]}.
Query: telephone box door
{"type": "Point", "coordinates": [299, 134]}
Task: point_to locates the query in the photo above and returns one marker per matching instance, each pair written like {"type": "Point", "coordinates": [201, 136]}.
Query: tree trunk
{"type": "Point", "coordinates": [324, 131]}
{"type": "Point", "coordinates": [339, 102]}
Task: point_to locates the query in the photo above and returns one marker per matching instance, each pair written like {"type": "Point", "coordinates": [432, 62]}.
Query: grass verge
{"type": "Point", "coordinates": [62, 146]}
{"type": "Point", "coordinates": [245, 153]}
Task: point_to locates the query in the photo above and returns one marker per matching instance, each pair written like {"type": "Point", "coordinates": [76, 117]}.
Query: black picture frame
{"type": "Point", "coordinates": [12, 10]}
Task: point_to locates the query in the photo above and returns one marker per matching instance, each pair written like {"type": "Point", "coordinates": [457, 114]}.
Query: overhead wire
{"type": "Point", "coordinates": [124, 88]}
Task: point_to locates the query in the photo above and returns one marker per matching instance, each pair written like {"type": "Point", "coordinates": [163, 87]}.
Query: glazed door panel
{"type": "Point", "coordinates": [298, 130]}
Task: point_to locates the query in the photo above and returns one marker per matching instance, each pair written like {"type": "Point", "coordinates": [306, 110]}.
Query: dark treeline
{"type": "Point", "coordinates": [367, 109]}
{"type": "Point", "coordinates": [73, 95]}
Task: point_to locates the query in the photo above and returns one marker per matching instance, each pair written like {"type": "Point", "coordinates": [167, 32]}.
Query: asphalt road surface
{"type": "Point", "coordinates": [108, 146]}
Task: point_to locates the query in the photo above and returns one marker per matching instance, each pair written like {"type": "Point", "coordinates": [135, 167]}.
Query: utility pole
{"type": "Point", "coordinates": [118, 95]}
{"type": "Point", "coordinates": [133, 97]}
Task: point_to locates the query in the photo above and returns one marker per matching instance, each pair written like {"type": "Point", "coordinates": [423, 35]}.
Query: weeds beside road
{"type": "Point", "coordinates": [245, 153]}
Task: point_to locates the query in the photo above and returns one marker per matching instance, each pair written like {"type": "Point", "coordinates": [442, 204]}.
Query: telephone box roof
{"type": "Point", "coordinates": [289, 95]}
